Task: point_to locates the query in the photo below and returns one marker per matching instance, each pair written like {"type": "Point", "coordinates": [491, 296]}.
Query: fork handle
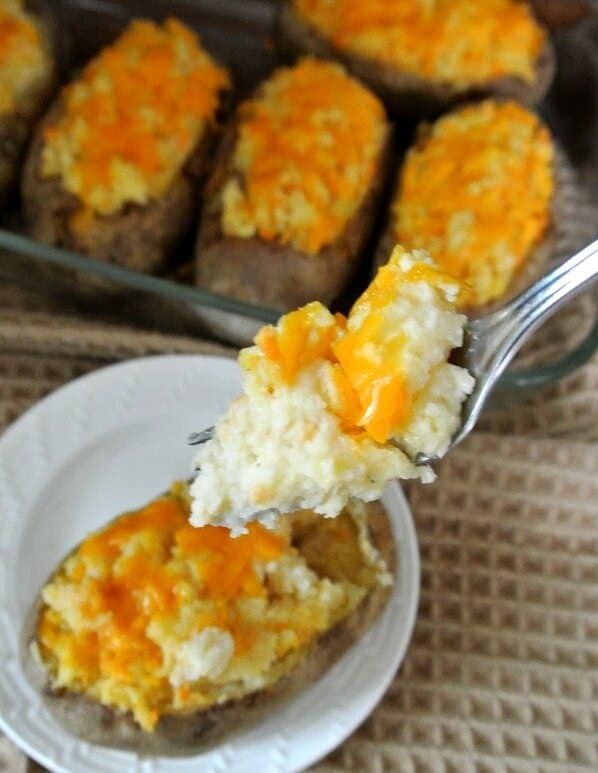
{"type": "Point", "coordinates": [544, 298]}
{"type": "Point", "coordinates": [497, 338]}
{"type": "Point", "coordinates": [506, 330]}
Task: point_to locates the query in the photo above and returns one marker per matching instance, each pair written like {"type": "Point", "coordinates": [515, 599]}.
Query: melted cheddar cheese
{"type": "Point", "coordinates": [333, 407]}
{"type": "Point", "coordinates": [152, 616]}
{"type": "Point", "coordinates": [366, 357]}
{"type": "Point", "coordinates": [458, 42]}
{"type": "Point", "coordinates": [132, 119]}
{"type": "Point", "coordinates": [375, 352]}
{"type": "Point", "coordinates": [475, 192]}
{"type": "Point", "coordinates": [306, 151]}
{"type": "Point", "coordinates": [24, 61]}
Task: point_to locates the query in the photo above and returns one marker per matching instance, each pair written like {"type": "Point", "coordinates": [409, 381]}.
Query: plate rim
{"type": "Point", "coordinates": [411, 547]}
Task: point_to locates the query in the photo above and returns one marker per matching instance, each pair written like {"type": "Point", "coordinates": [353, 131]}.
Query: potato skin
{"type": "Point", "coordinates": [185, 733]}
{"type": "Point", "coordinates": [561, 13]}
{"type": "Point", "coordinates": [137, 237]}
{"type": "Point", "coordinates": [269, 274]}
{"type": "Point", "coordinates": [405, 93]}
{"type": "Point", "coordinates": [16, 127]}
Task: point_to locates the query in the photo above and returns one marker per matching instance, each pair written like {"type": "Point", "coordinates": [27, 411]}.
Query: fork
{"type": "Point", "coordinates": [491, 342]}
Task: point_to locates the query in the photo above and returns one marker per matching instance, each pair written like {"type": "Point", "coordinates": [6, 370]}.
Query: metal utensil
{"type": "Point", "coordinates": [491, 342]}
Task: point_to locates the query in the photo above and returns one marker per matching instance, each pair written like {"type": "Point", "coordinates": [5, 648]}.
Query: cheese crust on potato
{"type": "Point", "coordinates": [307, 146]}
{"type": "Point", "coordinates": [475, 191]}
{"type": "Point", "coordinates": [460, 42]}
{"type": "Point", "coordinates": [295, 185]}
{"type": "Point", "coordinates": [24, 58]}
{"type": "Point", "coordinates": [132, 118]}
{"type": "Point", "coordinates": [115, 166]}
{"type": "Point", "coordinates": [154, 619]}
{"type": "Point", "coordinates": [422, 56]}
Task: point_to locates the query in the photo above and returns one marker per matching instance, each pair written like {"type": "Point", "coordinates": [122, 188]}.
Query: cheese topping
{"type": "Point", "coordinates": [475, 192]}
{"type": "Point", "coordinates": [325, 398]}
{"type": "Point", "coordinates": [153, 616]}
{"type": "Point", "coordinates": [24, 62]}
{"type": "Point", "coordinates": [307, 149]}
{"type": "Point", "coordinates": [459, 42]}
{"type": "Point", "coordinates": [134, 116]}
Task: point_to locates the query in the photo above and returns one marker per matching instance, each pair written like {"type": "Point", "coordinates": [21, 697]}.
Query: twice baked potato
{"type": "Point", "coordinates": [155, 635]}
{"type": "Point", "coordinates": [293, 195]}
{"type": "Point", "coordinates": [114, 167]}
{"type": "Point", "coordinates": [27, 79]}
{"type": "Point", "coordinates": [478, 191]}
{"type": "Point", "coordinates": [421, 57]}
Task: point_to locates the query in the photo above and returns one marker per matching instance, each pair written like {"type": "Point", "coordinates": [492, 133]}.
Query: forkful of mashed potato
{"type": "Point", "coordinates": [333, 408]}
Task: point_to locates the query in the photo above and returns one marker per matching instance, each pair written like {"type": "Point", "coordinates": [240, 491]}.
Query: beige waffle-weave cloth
{"type": "Point", "coordinates": [502, 671]}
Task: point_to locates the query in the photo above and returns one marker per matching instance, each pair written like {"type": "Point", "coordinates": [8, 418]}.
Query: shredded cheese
{"type": "Point", "coordinates": [306, 151]}
{"type": "Point", "coordinates": [460, 42]}
{"type": "Point", "coordinates": [134, 116]}
{"type": "Point", "coordinates": [24, 62]}
{"type": "Point", "coordinates": [153, 616]}
{"type": "Point", "coordinates": [475, 192]}
{"type": "Point", "coordinates": [373, 385]}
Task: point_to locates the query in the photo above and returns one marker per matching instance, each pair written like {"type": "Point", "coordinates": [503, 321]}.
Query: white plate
{"type": "Point", "coordinates": [109, 442]}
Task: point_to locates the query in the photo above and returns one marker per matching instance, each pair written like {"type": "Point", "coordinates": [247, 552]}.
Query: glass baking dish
{"type": "Point", "coordinates": [239, 34]}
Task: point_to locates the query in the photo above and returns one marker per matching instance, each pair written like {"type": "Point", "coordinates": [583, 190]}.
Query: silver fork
{"type": "Point", "coordinates": [491, 342]}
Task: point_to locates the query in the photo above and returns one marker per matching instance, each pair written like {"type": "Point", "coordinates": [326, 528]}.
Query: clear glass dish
{"type": "Point", "coordinates": [239, 33]}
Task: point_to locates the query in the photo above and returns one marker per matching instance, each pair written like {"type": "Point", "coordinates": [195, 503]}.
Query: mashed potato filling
{"type": "Point", "coordinates": [326, 400]}
{"type": "Point", "coordinates": [307, 147]}
{"type": "Point", "coordinates": [475, 191]}
{"type": "Point", "coordinates": [132, 118]}
{"type": "Point", "coordinates": [24, 61]}
{"type": "Point", "coordinates": [459, 42]}
{"type": "Point", "coordinates": [152, 616]}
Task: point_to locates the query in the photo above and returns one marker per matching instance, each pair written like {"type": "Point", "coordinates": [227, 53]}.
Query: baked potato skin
{"type": "Point", "coordinates": [404, 93]}
{"type": "Point", "coordinates": [137, 237]}
{"type": "Point", "coordinates": [273, 275]}
{"type": "Point", "coordinates": [180, 734]}
{"type": "Point", "coordinates": [16, 127]}
{"type": "Point", "coordinates": [561, 13]}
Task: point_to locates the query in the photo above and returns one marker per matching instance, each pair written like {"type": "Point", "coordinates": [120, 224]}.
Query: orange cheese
{"type": "Point", "coordinates": [153, 616]}
{"type": "Point", "coordinates": [131, 591]}
{"type": "Point", "coordinates": [23, 60]}
{"type": "Point", "coordinates": [306, 151]}
{"type": "Point", "coordinates": [133, 117]}
{"type": "Point", "coordinates": [301, 337]}
{"type": "Point", "coordinates": [475, 193]}
{"type": "Point", "coordinates": [460, 42]}
{"type": "Point", "coordinates": [369, 388]}
{"type": "Point", "coordinates": [15, 30]}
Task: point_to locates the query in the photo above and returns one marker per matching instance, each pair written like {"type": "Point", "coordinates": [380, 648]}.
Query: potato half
{"type": "Point", "coordinates": [114, 168]}
{"type": "Point", "coordinates": [95, 670]}
{"type": "Point", "coordinates": [29, 76]}
{"type": "Point", "coordinates": [405, 92]}
{"type": "Point", "coordinates": [313, 112]}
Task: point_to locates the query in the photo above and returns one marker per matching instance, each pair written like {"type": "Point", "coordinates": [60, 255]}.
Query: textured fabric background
{"type": "Point", "coordinates": [502, 672]}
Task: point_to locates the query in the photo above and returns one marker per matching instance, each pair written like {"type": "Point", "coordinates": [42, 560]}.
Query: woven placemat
{"type": "Point", "coordinates": [566, 409]}
{"type": "Point", "coordinates": [502, 672]}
